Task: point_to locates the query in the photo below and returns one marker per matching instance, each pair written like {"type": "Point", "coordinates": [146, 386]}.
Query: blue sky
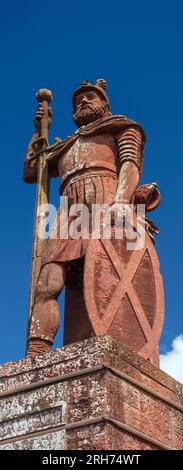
{"type": "Point", "coordinates": [137, 47]}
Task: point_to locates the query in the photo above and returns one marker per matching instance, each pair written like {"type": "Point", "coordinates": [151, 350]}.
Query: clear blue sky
{"type": "Point", "coordinates": [137, 46]}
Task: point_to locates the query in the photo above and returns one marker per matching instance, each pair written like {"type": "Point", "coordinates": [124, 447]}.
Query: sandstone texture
{"type": "Point", "coordinates": [93, 394]}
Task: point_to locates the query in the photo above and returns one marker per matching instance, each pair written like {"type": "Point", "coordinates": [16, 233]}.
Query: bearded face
{"type": "Point", "coordinates": [89, 107]}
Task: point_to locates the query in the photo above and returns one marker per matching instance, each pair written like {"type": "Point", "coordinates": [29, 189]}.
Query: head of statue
{"type": "Point", "coordinates": [90, 102]}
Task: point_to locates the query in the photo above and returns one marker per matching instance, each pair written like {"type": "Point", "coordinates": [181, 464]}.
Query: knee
{"type": "Point", "coordinates": [55, 280]}
{"type": "Point", "coordinates": [51, 281]}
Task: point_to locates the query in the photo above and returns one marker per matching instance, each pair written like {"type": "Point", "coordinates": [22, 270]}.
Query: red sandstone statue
{"type": "Point", "coordinates": [108, 288]}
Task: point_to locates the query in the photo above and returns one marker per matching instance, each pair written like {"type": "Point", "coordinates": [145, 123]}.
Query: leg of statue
{"type": "Point", "coordinates": [45, 316]}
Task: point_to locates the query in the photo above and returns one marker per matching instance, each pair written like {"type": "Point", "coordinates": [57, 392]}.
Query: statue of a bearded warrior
{"type": "Point", "coordinates": [108, 288]}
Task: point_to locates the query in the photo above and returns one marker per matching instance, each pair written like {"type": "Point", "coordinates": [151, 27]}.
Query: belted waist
{"type": "Point", "coordinates": [88, 169]}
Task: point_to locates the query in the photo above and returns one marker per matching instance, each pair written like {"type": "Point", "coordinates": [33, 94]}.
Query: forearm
{"type": "Point", "coordinates": [127, 182]}
{"type": "Point", "coordinates": [130, 156]}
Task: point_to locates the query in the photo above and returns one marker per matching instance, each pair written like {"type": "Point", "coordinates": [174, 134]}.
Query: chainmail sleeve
{"type": "Point", "coordinates": [130, 147]}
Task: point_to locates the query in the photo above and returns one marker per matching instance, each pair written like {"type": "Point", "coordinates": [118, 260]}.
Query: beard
{"type": "Point", "coordinates": [89, 114]}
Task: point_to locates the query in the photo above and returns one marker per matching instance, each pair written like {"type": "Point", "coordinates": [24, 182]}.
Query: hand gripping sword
{"type": "Point", "coordinates": [44, 97]}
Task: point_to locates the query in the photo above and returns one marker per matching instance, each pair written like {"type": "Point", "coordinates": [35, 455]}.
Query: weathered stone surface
{"type": "Point", "coordinates": [80, 389]}
{"type": "Point", "coordinates": [86, 397]}
{"type": "Point", "coordinates": [32, 423]}
{"type": "Point", "coordinates": [83, 354]}
{"type": "Point", "coordinates": [137, 408]}
{"type": "Point", "coordinates": [54, 440]}
{"type": "Point", "coordinates": [92, 437]}
{"type": "Point", "coordinates": [33, 401]}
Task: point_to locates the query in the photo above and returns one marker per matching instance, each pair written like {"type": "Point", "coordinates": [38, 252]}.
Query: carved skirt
{"type": "Point", "coordinates": [88, 189]}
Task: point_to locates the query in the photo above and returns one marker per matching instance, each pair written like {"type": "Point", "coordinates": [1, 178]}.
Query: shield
{"type": "Point", "coordinates": [124, 295]}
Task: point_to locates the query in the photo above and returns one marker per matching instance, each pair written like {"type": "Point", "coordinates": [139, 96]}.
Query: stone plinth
{"type": "Point", "coordinates": [93, 394]}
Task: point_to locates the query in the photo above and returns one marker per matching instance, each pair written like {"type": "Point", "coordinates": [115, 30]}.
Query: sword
{"type": "Point", "coordinates": [44, 97]}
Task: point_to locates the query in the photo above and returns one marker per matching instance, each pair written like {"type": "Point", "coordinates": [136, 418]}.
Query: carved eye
{"type": "Point", "coordinates": [90, 96]}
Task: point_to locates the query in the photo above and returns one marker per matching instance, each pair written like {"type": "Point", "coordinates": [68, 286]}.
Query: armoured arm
{"type": "Point", "coordinates": [36, 144]}
{"type": "Point", "coordinates": [30, 166]}
{"type": "Point", "coordinates": [130, 156]}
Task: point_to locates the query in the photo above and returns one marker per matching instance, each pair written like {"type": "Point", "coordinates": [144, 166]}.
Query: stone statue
{"type": "Point", "coordinates": [109, 289]}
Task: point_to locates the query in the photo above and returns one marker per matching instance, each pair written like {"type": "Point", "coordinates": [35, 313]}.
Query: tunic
{"type": "Point", "coordinates": [89, 175]}
{"type": "Point", "coordinates": [88, 164]}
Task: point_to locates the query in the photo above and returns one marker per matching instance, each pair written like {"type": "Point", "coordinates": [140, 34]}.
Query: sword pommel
{"type": "Point", "coordinates": [44, 95]}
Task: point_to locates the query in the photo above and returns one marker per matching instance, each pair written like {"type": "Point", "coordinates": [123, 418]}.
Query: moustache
{"type": "Point", "coordinates": [85, 105]}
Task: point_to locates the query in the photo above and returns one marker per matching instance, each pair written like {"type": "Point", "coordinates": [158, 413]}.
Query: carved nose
{"type": "Point", "coordinates": [84, 100]}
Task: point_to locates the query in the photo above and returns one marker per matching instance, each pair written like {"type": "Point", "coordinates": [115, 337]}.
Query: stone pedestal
{"type": "Point", "coordinates": [93, 394]}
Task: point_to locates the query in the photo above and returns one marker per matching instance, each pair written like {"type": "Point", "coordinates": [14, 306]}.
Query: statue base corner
{"type": "Point", "coordinates": [93, 394]}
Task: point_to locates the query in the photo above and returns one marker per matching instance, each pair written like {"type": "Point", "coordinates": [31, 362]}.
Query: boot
{"type": "Point", "coordinates": [37, 347]}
